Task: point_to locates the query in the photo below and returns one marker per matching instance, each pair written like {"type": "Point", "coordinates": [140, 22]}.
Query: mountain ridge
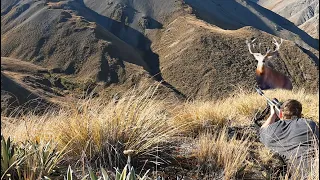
{"type": "Point", "coordinates": [112, 43]}
{"type": "Point", "coordinates": [298, 12]}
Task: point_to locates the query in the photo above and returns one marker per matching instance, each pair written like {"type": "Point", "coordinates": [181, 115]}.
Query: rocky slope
{"type": "Point", "coordinates": [303, 13]}
{"type": "Point", "coordinates": [15, 90]}
{"type": "Point", "coordinates": [55, 38]}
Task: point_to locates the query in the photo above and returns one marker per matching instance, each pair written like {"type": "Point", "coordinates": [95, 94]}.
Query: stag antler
{"type": "Point", "coordinates": [249, 45]}
{"type": "Point", "coordinates": [271, 53]}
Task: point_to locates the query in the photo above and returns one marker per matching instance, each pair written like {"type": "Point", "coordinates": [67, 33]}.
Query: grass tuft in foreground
{"type": "Point", "coordinates": [95, 132]}
{"type": "Point", "coordinates": [218, 151]}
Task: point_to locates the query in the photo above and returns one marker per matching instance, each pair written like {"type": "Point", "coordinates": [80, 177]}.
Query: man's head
{"type": "Point", "coordinates": [290, 109]}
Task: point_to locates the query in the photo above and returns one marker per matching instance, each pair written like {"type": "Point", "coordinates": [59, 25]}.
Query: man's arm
{"type": "Point", "coordinates": [271, 119]}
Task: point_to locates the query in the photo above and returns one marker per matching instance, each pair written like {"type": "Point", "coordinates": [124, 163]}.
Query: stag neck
{"type": "Point", "coordinates": [261, 64]}
{"type": "Point", "coordinates": [260, 69]}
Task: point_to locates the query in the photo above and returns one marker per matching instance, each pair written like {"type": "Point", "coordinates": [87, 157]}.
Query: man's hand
{"type": "Point", "coordinates": [271, 119]}
{"type": "Point", "coordinates": [273, 111]}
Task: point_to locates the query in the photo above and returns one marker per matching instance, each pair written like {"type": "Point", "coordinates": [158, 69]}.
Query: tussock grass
{"type": "Point", "coordinates": [98, 131]}
{"type": "Point", "coordinates": [239, 109]}
{"type": "Point", "coordinates": [265, 155]}
{"type": "Point", "coordinates": [137, 121]}
{"type": "Point", "coordinates": [310, 102]}
{"type": "Point", "coordinates": [197, 116]}
{"type": "Point", "coordinates": [217, 151]}
{"type": "Point", "coordinates": [29, 127]}
{"type": "Point", "coordinates": [301, 170]}
{"type": "Point", "coordinates": [102, 130]}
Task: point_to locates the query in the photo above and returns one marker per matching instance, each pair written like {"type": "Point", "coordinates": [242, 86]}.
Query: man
{"type": "Point", "coordinates": [294, 138]}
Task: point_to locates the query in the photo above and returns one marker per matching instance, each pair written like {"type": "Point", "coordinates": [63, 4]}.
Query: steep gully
{"type": "Point", "coordinates": [143, 45]}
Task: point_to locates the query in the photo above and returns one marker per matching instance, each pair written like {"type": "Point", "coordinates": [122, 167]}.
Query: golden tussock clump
{"type": "Point", "coordinates": [99, 131]}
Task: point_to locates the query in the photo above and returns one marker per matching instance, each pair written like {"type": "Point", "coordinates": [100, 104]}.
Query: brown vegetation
{"type": "Point", "coordinates": [95, 132]}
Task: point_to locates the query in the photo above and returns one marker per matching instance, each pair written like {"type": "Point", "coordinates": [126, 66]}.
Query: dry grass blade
{"type": "Point", "coordinates": [308, 169]}
{"type": "Point", "coordinates": [223, 153]}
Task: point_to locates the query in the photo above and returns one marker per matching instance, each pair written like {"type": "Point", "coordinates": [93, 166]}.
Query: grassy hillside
{"type": "Point", "coordinates": [204, 61]}
{"type": "Point", "coordinates": [195, 139]}
{"type": "Point", "coordinates": [195, 51]}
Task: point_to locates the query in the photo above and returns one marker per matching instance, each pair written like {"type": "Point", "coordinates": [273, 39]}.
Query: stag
{"type": "Point", "coordinates": [268, 78]}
